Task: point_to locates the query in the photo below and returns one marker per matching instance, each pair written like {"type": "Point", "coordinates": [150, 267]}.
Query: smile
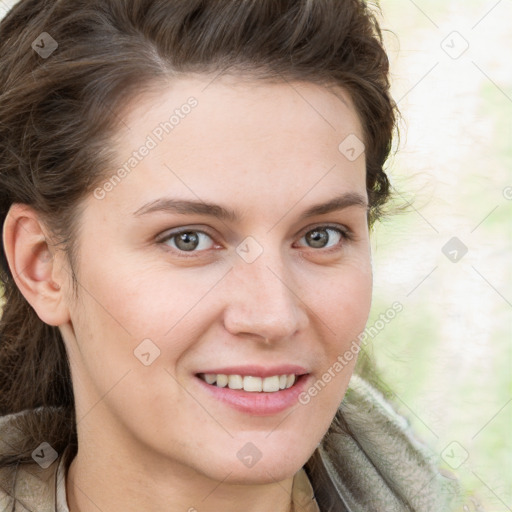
{"type": "Point", "coordinates": [249, 383]}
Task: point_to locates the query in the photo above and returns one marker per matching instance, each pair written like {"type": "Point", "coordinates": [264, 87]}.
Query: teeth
{"type": "Point", "coordinates": [249, 383]}
{"type": "Point", "coordinates": [254, 384]}
{"type": "Point", "coordinates": [235, 382]}
{"type": "Point", "coordinates": [222, 380]}
{"type": "Point", "coordinates": [271, 384]}
{"type": "Point", "coordinates": [210, 378]}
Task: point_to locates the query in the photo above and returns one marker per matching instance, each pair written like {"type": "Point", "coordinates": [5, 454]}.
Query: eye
{"type": "Point", "coordinates": [324, 237]}
{"type": "Point", "coordinates": [194, 241]}
{"type": "Point", "coordinates": [188, 241]}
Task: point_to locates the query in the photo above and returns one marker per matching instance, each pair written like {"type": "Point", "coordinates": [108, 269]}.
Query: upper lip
{"type": "Point", "coordinates": [258, 371]}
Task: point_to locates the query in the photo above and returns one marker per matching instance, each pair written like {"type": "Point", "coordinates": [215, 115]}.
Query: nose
{"type": "Point", "coordinates": [264, 301]}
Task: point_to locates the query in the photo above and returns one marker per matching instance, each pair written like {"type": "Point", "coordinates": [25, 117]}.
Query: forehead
{"type": "Point", "coordinates": [208, 137]}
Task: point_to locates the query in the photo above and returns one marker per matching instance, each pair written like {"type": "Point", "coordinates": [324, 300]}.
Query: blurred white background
{"type": "Point", "coordinates": [448, 356]}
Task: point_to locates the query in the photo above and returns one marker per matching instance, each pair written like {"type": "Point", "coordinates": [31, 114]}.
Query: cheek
{"type": "Point", "coordinates": [343, 308]}
{"type": "Point", "coordinates": [352, 302]}
{"type": "Point", "coordinates": [143, 302]}
{"type": "Point", "coordinates": [343, 299]}
{"type": "Point", "coordinates": [122, 309]}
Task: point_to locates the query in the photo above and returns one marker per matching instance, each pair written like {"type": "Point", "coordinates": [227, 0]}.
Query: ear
{"type": "Point", "coordinates": [37, 271]}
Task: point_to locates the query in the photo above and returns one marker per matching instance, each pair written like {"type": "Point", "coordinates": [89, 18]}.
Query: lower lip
{"type": "Point", "coordinates": [258, 404]}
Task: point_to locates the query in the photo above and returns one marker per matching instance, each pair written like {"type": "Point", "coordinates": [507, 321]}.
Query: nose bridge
{"type": "Point", "coordinates": [263, 301]}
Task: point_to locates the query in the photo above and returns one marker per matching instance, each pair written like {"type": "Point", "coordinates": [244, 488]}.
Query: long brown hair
{"type": "Point", "coordinates": [58, 111]}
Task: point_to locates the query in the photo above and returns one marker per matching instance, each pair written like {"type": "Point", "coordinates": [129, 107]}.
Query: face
{"type": "Point", "coordinates": [233, 248]}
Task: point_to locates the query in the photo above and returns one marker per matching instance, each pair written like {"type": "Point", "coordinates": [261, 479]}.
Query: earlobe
{"type": "Point", "coordinates": [34, 265]}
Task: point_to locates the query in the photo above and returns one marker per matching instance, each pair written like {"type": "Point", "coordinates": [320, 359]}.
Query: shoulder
{"type": "Point", "coordinates": [374, 462]}
{"type": "Point", "coordinates": [25, 485]}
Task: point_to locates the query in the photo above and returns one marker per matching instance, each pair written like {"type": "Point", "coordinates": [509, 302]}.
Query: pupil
{"type": "Point", "coordinates": [318, 238]}
{"type": "Point", "coordinates": [187, 241]}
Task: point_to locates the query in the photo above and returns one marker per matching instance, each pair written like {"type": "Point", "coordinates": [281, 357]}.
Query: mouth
{"type": "Point", "coordinates": [256, 390]}
{"type": "Point", "coordinates": [251, 383]}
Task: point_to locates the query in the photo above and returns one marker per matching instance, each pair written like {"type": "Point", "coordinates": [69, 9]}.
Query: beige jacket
{"type": "Point", "coordinates": [379, 467]}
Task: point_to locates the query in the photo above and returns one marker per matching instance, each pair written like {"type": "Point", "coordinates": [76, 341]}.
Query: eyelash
{"type": "Point", "coordinates": [345, 233]}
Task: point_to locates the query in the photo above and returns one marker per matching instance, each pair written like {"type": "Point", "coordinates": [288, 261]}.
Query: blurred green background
{"type": "Point", "coordinates": [446, 359]}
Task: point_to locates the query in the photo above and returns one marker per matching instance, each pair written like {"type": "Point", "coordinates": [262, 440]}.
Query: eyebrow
{"type": "Point", "coordinates": [187, 207]}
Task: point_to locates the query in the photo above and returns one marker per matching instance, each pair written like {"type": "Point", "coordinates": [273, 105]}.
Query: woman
{"type": "Point", "coordinates": [187, 190]}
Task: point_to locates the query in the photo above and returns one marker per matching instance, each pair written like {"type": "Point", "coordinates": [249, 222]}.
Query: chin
{"type": "Point", "coordinates": [262, 473]}
{"type": "Point", "coordinates": [277, 466]}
